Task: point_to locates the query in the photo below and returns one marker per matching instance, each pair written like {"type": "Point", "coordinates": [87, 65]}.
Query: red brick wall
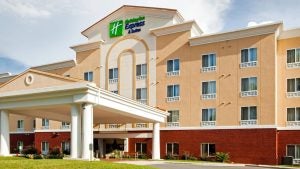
{"type": "Point", "coordinates": [28, 140]}
{"type": "Point", "coordinates": [286, 137]}
{"type": "Point", "coordinates": [53, 138]}
{"type": "Point", "coordinates": [255, 146]}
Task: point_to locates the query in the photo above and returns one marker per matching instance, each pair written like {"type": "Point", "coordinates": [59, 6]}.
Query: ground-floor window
{"type": "Point", "coordinates": [45, 147]}
{"type": "Point", "coordinates": [208, 149]}
{"type": "Point", "coordinates": [293, 150]}
{"type": "Point", "coordinates": [172, 149]}
{"type": "Point", "coordinates": [65, 147]}
{"type": "Point", "coordinates": [141, 148]}
{"type": "Point", "coordinates": [20, 146]}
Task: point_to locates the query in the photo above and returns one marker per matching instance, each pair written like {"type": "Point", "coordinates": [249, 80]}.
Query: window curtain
{"type": "Point", "coordinates": [176, 65]}
{"type": "Point", "coordinates": [290, 114]}
{"type": "Point", "coordinates": [253, 54]}
{"type": "Point", "coordinates": [253, 83]}
{"type": "Point", "coordinates": [205, 61]}
{"type": "Point", "coordinates": [144, 93]}
{"type": "Point", "coordinates": [111, 73]}
{"type": "Point", "coordinates": [297, 154]}
{"type": "Point", "coordinates": [116, 73]}
{"type": "Point", "coordinates": [245, 84]}
{"type": "Point", "coordinates": [170, 65]}
{"type": "Point", "coordinates": [291, 56]}
{"type": "Point", "coordinates": [176, 90]}
{"type": "Point", "coordinates": [170, 91]}
{"type": "Point", "coordinates": [144, 69]}
{"type": "Point", "coordinates": [244, 56]}
{"type": "Point", "coordinates": [204, 87]}
{"type": "Point", "coordinates": [204, 150]}
{"type": "Point", "coordinates": [291, 85]}
{"type": "Point", "coordinates": [138, 94]}
{"type": "Point", "coordinates": [204, 114]}
{"type": "Point", "coordinates": [212, 114]}
{"type": "Point", "coordinates": [212, 60]}
{"type": "Point", "coordinates": [138, 70]}
{"type": "Point", "coordinates": [253, 113]}
{"type": "Point", "coordinates": [212, 87]}
{"type": "Point", "coordinates": [244, 113]}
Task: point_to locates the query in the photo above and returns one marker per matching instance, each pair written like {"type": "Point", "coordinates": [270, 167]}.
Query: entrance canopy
{"type": "Point", "coordinates": [44, 95]}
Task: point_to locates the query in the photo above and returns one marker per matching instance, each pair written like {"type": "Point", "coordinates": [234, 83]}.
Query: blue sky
{"type": "Point", "coordinates": [35, 32]}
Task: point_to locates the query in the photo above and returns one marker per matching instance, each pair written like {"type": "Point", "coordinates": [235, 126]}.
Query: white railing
{"type": "Point", "coordinates": [249, 93]}
{"type": "Point", "coordinates": [65, 127]}
{"type": "Point", "coordinates": [113, 126]}
{"type": "Point", "coordinates": [209, 96]}
{"type": "Point", "coordinates": [248, 122]}
{"type": "Point", "coordinates": [141, 125]}
{"type": "Point", "coordinates": [209, 69]}
{"type": "Point", "coordinates": [45, 127]}
{"type": "Point", "coordinates": [141, 77]}
{"type": "Point", "coordinates": [293, 94]}
{"type": "Point", "coordinates": [173, 99]}
{"type": "Point", "coordinates": [173, 124]}
{"type": "Point", "coordinates": [143, 101]}
{"type": "Point", "coordinates": [20, 129]}
{"type": "Point", "coordinates": [111, 81]}
{"type": "Point", "coordinates": [248, 64]}
{"type": "Point", "coordinates": [296, 161]}
{"type": "Point", "coordinates": [293, 123]}
{"type": "Point", "coordinates": [208, 123]}
{"type": "Point", "coordinates": [173, 73]}
{"type": "Point", "coordinates": [293, 65]}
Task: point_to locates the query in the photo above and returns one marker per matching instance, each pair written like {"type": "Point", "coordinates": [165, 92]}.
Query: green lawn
{"type": "Point", "coordinates": [20, 162]}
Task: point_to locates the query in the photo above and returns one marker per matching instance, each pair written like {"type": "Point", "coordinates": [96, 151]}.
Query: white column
{"type": "Point", "coordinates": [75, 131]}
{"type": "Point", "coordinates": [156, 142]}
{"type": "Point", "coordinates": [87, 131]}
{"type": "Point", "coordinates": [4, 139]}
{"type": "Point", "coordinates": [100, 146]}
{"type": "Point", "coordinates": [126, 145]}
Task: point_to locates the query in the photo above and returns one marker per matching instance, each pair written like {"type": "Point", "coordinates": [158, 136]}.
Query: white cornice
{"type": "Point", "coordinates": [181, 27]}
{"type": "Point", "coordinates": [292, 33]}
{"type": "Point", "coordinates": [56, 65]}
{"type": "Point", "coordinates": [86, 46]}
{"type": "Point", "coordinates": [236, 34]}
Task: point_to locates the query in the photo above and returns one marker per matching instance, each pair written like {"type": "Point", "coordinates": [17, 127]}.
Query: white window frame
{"type": "Point", "coordinates": [47, 145]}
{"type": "Point", "coordinates": [65, 125]}
{"type": "Point", "coordinates": [208, 68]}
{"type": "Point", "coordinates": [292, 64]}
{"type": "Point", "coordinates": [208, 154]}
{"type": "Point", "coordinates": [249, 93]}
{"type": "Point", "coordinates": [173, 72]}
{"type": "Point", "coordinates": [141, 143]}
{"type": "Point", "coordinates": [173, 98]}
{"type": "Point", "coordinates": [208, 122]}
{"type": "Point", "coordinates": [114, 79]}
{"type": "Point", "coordinates": [65, 144]}
{"type": "Point", "coordinates": [20, 125]}
{"type": "Point", "coordinates": [296, 93]}
{"type": "Point", "coordinates": [173, 123]}
{"type": "Point", "coordinates": [295, 160]}
{"type": "Point", "coordinates": [249, 121]}
{"type": "Point", "coordinates": [172, 153]}
{"type": "Point", "coordinates": [208, 96]}
{"type": "Point", "coordinates": [45, 121]}
{"type": "Point", "coordinates": [142, 100]}
{"type": "Point", "coordinates": [294, 123]}
{"type": "Point", "coordinates": [249, 63]}
{"type": "Point", "coordinates": [143, 75]}
{"type": "Point", "coordinates": [90, 76]}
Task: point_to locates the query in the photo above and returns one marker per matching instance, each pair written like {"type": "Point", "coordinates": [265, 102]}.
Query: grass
{"type": "Point", "coordinates": [23, 163]}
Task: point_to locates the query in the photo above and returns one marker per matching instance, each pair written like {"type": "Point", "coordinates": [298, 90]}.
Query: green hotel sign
{"type": "Point", "coordinates": [132, 25]}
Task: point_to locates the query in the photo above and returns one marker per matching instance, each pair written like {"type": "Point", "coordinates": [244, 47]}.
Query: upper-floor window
{"type": "Point", "coordinates": [248, 115]}
{"type": "Point", "coordinates": [249, 86]}
{"type": "Point", "coordinates": [173, 93]}
{"type": "Point", "coordinates": [33, 124]}
{"type": "Point", "coordinates": [209, 62]}
{"type": "Point", "coordinates": [209, 90]}
{"type": "Point", "coordinates": [65, 125]}
{"type": "Point", "coordinates": [45, 123]}
{"type": "Point", "coordinates": [88, 76]}
{"type": "Point", "coordinates": [208, 117]}
{"type": "Point", "coordinates": [113, 75]}
{"type": "Point", "coordinates": [293, 116]}
{"type": "Point", "coordinates": [293, 58]}
{"type": "Point", "coordinates": [248, 57]}
{"type": "Point", "coordinates": [293, 87]}
{"type": "Point", "coordinates": [173, 118]}
{"type": "Point", "coordinates": [141, 95]}
{"type": "Point", "coordinates": [20, 125]}
{"type": "Point", "coordinates": [173, 67]}
{"type": "Point", "coordinates": [141, 71]}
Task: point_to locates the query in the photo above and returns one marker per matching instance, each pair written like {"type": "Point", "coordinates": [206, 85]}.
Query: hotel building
{"type": "Point", "coordinates": [235, 92]}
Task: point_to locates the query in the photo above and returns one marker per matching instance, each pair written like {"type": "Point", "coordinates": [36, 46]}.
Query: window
{"type": "Point", "coordinates": [88, 76]}
{"type": "Point", "coordinates": [115, 91]}
{"type": "Point", "coordinates": [173, 67]}
{"type": "Point", "coordinates": [141, 95]}
{"type": "Point", "coordinates": [45, 123]}
{"type": "Point", "coordinates": [45, 148]}
{"type": "Point", "coordinates": [141, 148]}
{"type": "Point", "coordinates": [293, 150]}
{"type": "Point", "coordinates": [249, 87]}
{"type": "Point", "coordinates": [248, 115]}
{"type": "Point", "coordinates": [172, 149]}
{"type": "Point", "coordinates": [173, 93]}
{"type": "Point", "coordinates": [65, 125]}
{"type": "Point", "coordinates": [248, 57]}
{"type": "Point", "coordinates": [20, 145]}
{"type": "Point", "coordinates": [20, 125]}
{"type": "Point", "coordinates": [65, 146]}
{"type": "Point", "coordinates": [141, 71]}
{"type": "Point", "coordinates": [208, 149]}
{"type": "Point", "coordinates": [293, 116]}
{"type": "Point", "coordinates": [293, 55]}
{"type": "Point", "coordinates": [173, 118]}
{"type": "Point", "coordinates": [208, 62]}
{"type": "Point", "coordinates": [113, 75]}
{"type": "Point", "coordinates": [208, 117]}
{"type": "Point", "coordinates": [33, 124]}
{"type": "Point", "coordinates": [209, 90]}
{"type": "Point", "coordinates": [293, 87]}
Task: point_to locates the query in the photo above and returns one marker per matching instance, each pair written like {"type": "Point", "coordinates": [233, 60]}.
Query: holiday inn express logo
{"type": "Point", "coordinates": [116, 28]}
{"type": "Point", "coordinates": [132, 25]}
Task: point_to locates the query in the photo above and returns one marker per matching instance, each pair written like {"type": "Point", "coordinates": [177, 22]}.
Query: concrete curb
{"type": "Point", "coordinates": [269, 166]}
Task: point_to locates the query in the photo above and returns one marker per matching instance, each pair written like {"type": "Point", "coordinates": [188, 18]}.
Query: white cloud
{"type": "Point", "coordinates": [23, 9]}
{"type": "Point", "coordinates": [253, 23]}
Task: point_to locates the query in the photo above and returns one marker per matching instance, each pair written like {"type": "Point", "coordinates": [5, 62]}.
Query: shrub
{"type": "Point", "coordinates": [171, 157]}
{"type": "Point", "coordinates": [37, 156]}
{"type": "Point", "coordinates": [55, 154]}
{"type": "Point", "coordinates": [222, 157]}
{"type": "Point", "coordinates": [29, 150]}
{"type": "Point", "coordinates": [142, 156]}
